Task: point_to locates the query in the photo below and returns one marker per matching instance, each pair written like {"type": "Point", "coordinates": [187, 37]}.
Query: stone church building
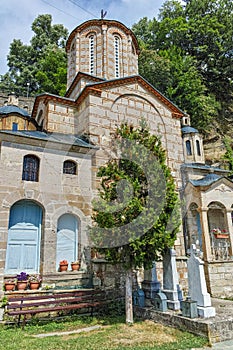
{"type": "Point", "coordinates": [49, 158]}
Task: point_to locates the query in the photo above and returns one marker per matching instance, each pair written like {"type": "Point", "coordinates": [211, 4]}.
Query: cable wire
{"type": "Point", "coordinates": [66, 13]}
{"type": "Point", "coordinates": [90, 13]}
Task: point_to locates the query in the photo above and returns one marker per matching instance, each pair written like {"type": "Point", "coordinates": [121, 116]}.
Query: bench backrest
{"type": "Point", "coordinates": [80, 296]}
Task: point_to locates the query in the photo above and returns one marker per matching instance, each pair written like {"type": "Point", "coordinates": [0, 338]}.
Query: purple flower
{"type": "Point", "coordinates": [23, 276]}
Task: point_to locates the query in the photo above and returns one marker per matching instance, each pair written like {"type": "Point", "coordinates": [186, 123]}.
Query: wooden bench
{"type": "Point", "coordinates": [30, 305]}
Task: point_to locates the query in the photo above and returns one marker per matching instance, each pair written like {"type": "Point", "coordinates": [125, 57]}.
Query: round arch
{"type": "Point", "coordinates": [161, 126]}
{"type": "Point", "coordinates": [194, 226]}
{"type": "Point", "coordinates": [216, 215]}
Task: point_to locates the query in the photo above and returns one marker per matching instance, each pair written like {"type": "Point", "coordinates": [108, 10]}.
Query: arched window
{"type": "Point", "coordinates": [69, 167]}
{"type": "Point", "coordinates": [188, 148]}
{"type": "Point", "coordinates": [194, 224]}
{"type": "Point", "coordinates": [198, 147]}
{"type": "Point", "coordinates": [116, 49]}
{"type": "Point", "coordinates": [31, 165]}
{"type": "Point", "coordinates": [91, 53]}
{"type": "Point", "coordinates": [133, 49]}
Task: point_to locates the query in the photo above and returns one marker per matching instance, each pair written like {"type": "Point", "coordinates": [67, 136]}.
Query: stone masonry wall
{"type": "Point", "coordinates": [120, 104]}
{"type": "Point", "coordinates": [219, 279]}
{"type": "Point", "coordinates": [55, 192]}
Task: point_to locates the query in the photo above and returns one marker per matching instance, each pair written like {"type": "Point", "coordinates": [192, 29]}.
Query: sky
{"type": "Point", "coordinates": [16, 16]}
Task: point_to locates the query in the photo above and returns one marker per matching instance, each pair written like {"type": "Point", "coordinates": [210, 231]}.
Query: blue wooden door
{"type": "Point", "coordinates": [24, 235]}
{"type": "Point", "coordinates": [67, 238]}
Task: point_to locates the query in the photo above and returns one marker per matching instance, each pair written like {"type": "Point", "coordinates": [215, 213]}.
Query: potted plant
{"type": "Point", "coordinates": [34, 281]}
{"type": "Point", "coordinates": [63, 265]}
{"type": "Point", "coordinates": [22, 280]}
{"type": "Point", "coordinates": [218, 233]}
{"type": "Point", "coordinates": [75, 265]}
{"type": "Point", "coordinates": [9, 284]}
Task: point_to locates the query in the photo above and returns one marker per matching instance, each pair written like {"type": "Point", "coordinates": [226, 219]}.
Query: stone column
{"type": "Point", "coordinates": [151, 285]}
{"type": "Point", "coordinates": [229, 224]}
{"type": "Point", "coordinates": [104, 72]}
{"type": "Point", "coordinates": [205, 233]}
{"type": "Point", "coordinates": [170, 280]}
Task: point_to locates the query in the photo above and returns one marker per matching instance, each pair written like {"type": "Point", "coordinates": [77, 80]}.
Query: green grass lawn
{"type": "Point", "coordinates": [114, 334]}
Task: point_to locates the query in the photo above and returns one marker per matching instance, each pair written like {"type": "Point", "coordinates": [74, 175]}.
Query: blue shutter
{"type": "Point", "coordinates": [23, 246]}
{"type": "Point", "coordinates": [67, 238]}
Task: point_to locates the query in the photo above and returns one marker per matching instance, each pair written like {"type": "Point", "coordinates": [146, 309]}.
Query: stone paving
{"type": "Point", "coordinates": [222, 323]}
{"type": "Point", "coordinates": [226, 345]}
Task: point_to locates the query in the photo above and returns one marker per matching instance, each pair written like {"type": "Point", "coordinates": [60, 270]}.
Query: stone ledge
{"type": "Point", "coordinates": [216, 329]}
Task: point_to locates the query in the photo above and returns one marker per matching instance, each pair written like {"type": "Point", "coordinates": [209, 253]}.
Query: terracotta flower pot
{"type": "Point", "coordinates": [221, 235]}
{"type": "Point", "coordinates": [75, 266]}
{"type": "Point", "coordinates": [63, 267]}
{"type": "Point", "coordinates": [34, 285]}
{"type": "Point", "coordinates": [22, 285]}
{"type": "Point", "coordinates": [9, 286]}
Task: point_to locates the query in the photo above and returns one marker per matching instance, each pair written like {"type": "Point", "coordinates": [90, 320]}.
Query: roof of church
{"type": "Point", "coordinates": [188, 130]}
{"type": "Point", "coordinates": [177, 112]}
{"type": "Point", "coordinates": [206, 180]}
{"type": "Point", "coordinates": [13, 109]}
{"type": "Point", "coordinates": [96, 87]}
{"type": "Point", "coordinates": [97, 22]}
{"type": "Point", "coordinates": [51, 137]}
{"type": "Point", "coordinates": [204, 167]}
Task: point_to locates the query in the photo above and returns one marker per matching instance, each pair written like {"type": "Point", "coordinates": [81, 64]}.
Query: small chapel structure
{"type": "Point", "coordinates": [49, 159]}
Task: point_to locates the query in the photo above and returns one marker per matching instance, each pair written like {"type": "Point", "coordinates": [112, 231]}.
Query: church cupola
{"type": "Point", "coordinates": [103, 48]}
{"type": "Point", "coordinates": [192, 143]}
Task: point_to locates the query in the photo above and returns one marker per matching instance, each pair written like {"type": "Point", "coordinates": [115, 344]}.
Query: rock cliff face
{"type": "Point", "coordinates": [214, 150]}
{"type": "Point", "coordinates": [213, 142]}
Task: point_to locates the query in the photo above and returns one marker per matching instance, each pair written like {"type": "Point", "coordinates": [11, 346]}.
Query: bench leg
{"type": "Point", "coordinates": [19, 320]}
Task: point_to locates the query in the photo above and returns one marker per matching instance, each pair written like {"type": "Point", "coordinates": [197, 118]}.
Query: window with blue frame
{"type": "Point", "coordinates": [14, 126]}
{"type": "Point", "coordinates": [31, 165]}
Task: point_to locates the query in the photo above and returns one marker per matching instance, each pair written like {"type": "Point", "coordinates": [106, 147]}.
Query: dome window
{"type": "Point", "coordinates": [198, 147]}
{"type": "Point", "coordinates": [91, 51]}
{"type": "Point", "coordinates": [117, 46]}
{"type": "Point", "coordinates": [188, 148]}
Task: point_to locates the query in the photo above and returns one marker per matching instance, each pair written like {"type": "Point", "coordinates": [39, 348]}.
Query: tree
{"type": "Point", "coordinates": [210, 42]}
{"type": "Point", "coordinates": [197, 41]}
{"type": "Point", "coordinates": [188, 90]}
{"type": "Point", "coordinates": [51, 75]}
{"type": "Point", "coordinates": [228, 156]}
{"type": "Point", "coordinates": [136, 217]}
{"type": "Point", "coordinates": [28, 63]}
{"type": "Point", "coordinates": [156, 69]}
